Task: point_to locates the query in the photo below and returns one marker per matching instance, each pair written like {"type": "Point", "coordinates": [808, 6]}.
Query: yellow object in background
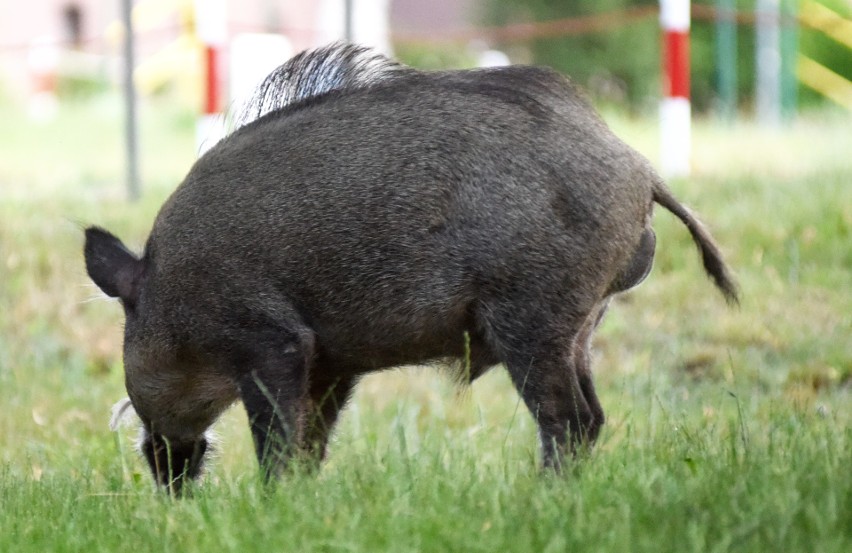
{"type": "Point", "coordinates": [825, 81]}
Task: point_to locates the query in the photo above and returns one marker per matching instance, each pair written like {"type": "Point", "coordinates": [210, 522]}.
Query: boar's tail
{"type": "Point", "coordinates": [710, 254]}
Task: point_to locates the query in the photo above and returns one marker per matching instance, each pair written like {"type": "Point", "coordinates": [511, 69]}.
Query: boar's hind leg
{"type": "Point", "coordinates": [274, 393]}
{"type": "Point", "coordinates": [540, 356]}
{"type": "Point", "coordinates": [582, 365]}
{"type": "Point", "coordinates": [327, 398]}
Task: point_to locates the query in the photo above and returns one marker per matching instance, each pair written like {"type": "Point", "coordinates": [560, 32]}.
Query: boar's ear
{"type": "Point", "coordinates": [112, 266]}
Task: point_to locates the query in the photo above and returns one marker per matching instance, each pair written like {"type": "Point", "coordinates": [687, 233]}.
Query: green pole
{"type": "Point", "coordinates": [726, 58]}
{"type": "Point", "coordinates": [767, 51]}
{"type": "Point", "coordinates": [789, 55]}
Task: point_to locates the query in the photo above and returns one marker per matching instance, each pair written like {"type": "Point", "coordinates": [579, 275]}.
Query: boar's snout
{"type": "Point", "coordinates": [173, 462]}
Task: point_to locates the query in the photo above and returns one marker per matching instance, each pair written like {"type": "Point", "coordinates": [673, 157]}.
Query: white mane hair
{"type": "Point", "coordinates": [312, 73]}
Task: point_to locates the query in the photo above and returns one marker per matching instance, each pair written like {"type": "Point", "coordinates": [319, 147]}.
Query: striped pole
{"type": "Point", "coordinates": [211, 28]}
{"type": "Point", "coordinates": [675, 112]}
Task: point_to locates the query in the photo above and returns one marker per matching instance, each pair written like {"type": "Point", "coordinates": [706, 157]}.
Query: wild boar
{"type": "Point", "coordinates": [366, 215]}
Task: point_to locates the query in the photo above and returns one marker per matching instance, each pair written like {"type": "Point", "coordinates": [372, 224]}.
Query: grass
{"type": "Point", "coordinates": [728, 430]}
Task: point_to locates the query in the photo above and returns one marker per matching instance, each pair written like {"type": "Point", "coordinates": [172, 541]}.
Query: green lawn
{"type": "Point", "coordinates": [728, 430]}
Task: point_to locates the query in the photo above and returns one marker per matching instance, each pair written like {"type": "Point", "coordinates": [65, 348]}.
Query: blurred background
{"type": "Point", "coordinates": [769, 169]}
{"type": "Point", "coordinates": [74, 49]}
{"type": "Point", "coordinates": [763, 61]}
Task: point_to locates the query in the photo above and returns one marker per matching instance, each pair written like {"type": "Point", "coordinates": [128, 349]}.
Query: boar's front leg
{"type": "Point", "coordinates": [328, 395]}
{"type": "Point", "coordinates": [275, 395]}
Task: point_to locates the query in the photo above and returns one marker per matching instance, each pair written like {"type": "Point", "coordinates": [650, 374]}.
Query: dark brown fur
{"type": "Point", "coordinates": [407, 219]}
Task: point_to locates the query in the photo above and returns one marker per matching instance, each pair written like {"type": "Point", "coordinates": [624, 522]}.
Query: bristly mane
{"type": "Point", "coordinates": [313, 73]}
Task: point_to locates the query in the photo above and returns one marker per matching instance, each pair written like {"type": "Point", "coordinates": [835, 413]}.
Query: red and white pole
{"type": "Point", "coordinates": [675, 111]}
{"type": "Point", "coordinates": [212, 29]}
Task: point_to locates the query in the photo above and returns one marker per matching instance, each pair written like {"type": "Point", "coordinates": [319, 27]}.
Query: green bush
{"type": "Point", "coordinates": [81, 86]}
